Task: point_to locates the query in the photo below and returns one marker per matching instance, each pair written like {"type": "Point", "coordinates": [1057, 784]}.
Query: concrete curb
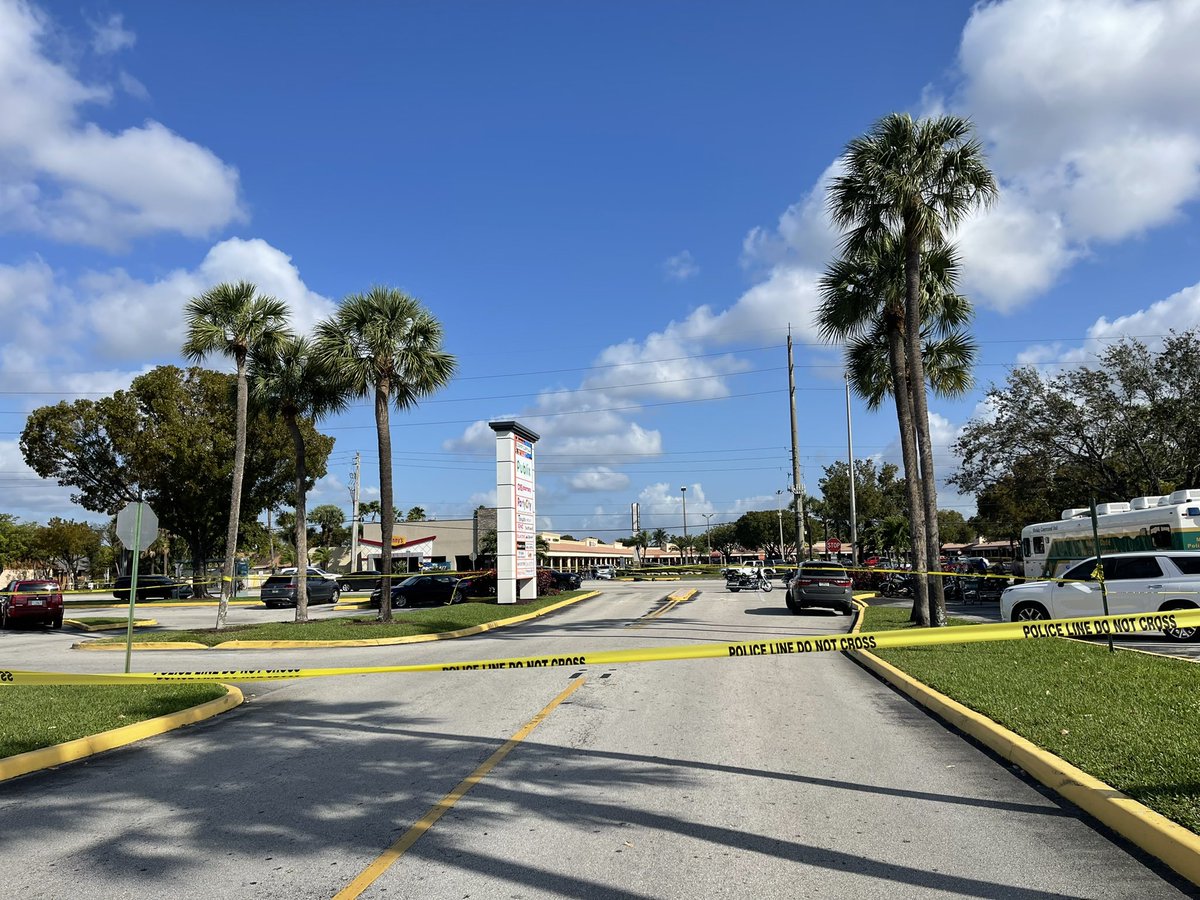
{"type": "Point", "coordinates": [70, 751]}
{"type": "Point", "coordinates": [1175, 845]}
{"type": "Point", "coordinates": [363, 642]}
{"type": "Point", "coordinates": [685, 594]}
{"type": "Point", "coordinates": [82, 626]}
{"type": "Point", "coordinates": [156, 604]}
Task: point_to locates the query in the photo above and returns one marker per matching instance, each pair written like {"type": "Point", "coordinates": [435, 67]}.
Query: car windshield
{"type": "Point", "coordinates": [409, 582]}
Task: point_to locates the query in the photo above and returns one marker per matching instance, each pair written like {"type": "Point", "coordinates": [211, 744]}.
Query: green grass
{"type": "Point", "coordinates": [1129, 719]}
{"type": "Point", "coordinates": [34, 716]}
{"type": "Point", "coordinates": [417, 621]}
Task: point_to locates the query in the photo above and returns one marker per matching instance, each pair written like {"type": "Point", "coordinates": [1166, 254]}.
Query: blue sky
{"type": "Point", "coordinates": [616, 210]}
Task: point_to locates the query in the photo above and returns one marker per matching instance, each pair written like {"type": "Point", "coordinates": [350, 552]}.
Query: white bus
{"type": "Point", "coordinates": [1170, 522]}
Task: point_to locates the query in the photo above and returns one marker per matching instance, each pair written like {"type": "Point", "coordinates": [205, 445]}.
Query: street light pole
{"type": "Point", "coordinates": [683, 494]}
{"type": "Point", "coordinates": [707, 535]}
{"type": "Point", "coordinates": [779, 509]}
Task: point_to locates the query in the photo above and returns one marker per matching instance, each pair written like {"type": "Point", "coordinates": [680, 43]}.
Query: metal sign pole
{"type": "Point", "coordinates": [133, 576]}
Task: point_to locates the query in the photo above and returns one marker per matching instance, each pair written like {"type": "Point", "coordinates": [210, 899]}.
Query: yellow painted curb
{"type": "Point", "coordinates": [82, 626]}
{"type": "Point", "coordinates": [362, 642]}
{"type": "Point", "coordinates": [49, 757]}
{"type": "Point", "coordinates": [1168, 841]}
{"type": "Point", "coordinates": [680, 596]}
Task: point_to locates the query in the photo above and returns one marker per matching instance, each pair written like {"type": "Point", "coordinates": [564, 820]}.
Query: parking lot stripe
{"type": "Point", "coordinates": [393, 853]}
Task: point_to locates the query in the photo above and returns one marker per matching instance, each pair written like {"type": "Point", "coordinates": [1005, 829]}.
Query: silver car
{"type": "Point", "coordinates": [823, 584]}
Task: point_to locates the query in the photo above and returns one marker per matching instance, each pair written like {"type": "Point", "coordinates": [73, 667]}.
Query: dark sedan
{"type": "Point", "coordinates": [424, 590]}
{"type": "Point", "coordinates": [362, 580]}
{"type": "Point", "coordinates": [566, 581]}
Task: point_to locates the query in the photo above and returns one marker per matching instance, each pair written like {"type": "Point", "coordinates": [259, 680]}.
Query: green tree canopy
{"type": "Point", "coordinates": [329, 519]}
{"type": "Point", "coordinates": [69, 544]}
{"type": "Point", "coordinates": [1126, 427]}
{"type": "Point", "coordinates": [415, 514]}
{"type": "Point", "coordinates": [759, 530]}
{"type": "Point", "coordinates": [953, 527]}
{"type": "Point", "coordinates": [169, 437]}
{"type": "Point", "coordinates": [724, 538]}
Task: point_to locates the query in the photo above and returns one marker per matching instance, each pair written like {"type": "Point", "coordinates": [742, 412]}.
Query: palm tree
{"type": "Point", "coordinates": [387, 344]}
{"type": "Point", "coordinates": [369, 510]}
{"type": "Point", "coordinates": [862, 305]}
{"type": "Point", "coordinates": [235, 321]}
{"type": "Point", "coordinates": [913, 182]}
{"type": "Point", "coordinates": [288, 382]}
{"type": "Point", "coordinates": [660, 539]}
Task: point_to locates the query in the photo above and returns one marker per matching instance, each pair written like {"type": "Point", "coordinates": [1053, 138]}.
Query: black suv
{"type": "Point", "coordinates": [566, 581]}
{"type": "Point", "coordinates": [153, 587]}
{"type": "Point", "coordinates": [280, 590]}
{"type": "Point", "coordinates": [362, 580]}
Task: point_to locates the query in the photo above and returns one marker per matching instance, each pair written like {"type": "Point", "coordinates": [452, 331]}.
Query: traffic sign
{"type": "Point", "coordinates": [833, 545]}
{"type": "Point", "coordinates": [133, 537]}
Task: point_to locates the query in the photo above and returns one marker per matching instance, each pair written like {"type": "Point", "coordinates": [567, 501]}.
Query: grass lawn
{"type": "Point", "coordinates": [35, 716]}
{"type": "Point", "coordinates": [1129, 719]}
{"type": "Point", "coordinates": [349, 628]}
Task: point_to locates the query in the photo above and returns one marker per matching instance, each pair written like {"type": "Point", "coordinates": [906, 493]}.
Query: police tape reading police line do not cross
{"type": "Point", "coordinates": [1092, 626]}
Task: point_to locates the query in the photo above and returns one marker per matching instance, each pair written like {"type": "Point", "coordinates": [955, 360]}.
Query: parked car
{"type": "Point", "coordinates": [424, 590]}
{"type": "Point", "coordinates": [1138, 582]}
{"type": "Point", "coordinates": [362, 580]}
{"type": "Point", "coordinates": [604, 572]}
{"type": "Point", "coordinates": [281, 590]}
{"type": "Point", "coordinates": [153, 587]}
{"type": "Point", "coordinates": [31, 600]}
{"type": "Point", "coordinates": [566, 581]}
{"type": "Point", "coordinates": [823, 584]}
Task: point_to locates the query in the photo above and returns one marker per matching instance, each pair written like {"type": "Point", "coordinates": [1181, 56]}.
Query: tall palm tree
{"type": "Point", "coordinates": [913, 181]}
{"type": "Point", "coordinates": [385, 343]}
{"type": "Point", "coordinates": [233, 320]}
{"type": "Point", "coordinates": [286, 381]}
{"type": "Point", "coordinates": [660, 539]}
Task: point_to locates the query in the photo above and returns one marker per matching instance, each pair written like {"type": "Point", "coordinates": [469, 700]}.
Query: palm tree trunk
{"type": "Point", "coordinates": [916, 370]}
{"type": "Point", "coordinates": [301, 535]}
{"type": "Point", "coordinates": [387, 513]}
{"type": "Point", "coordinates": [908, 449]}
{"type": "Point", "coordinates": [235, 496]}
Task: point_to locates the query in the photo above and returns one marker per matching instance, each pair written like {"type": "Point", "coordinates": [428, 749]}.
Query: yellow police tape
{"type": "Point", "coordinates": [1094, 626]}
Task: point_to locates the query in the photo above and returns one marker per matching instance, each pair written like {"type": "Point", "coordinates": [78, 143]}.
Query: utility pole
{"type": "Point", "coordinates": [850, 472]}
{"type": "Point", "coordinates": [797, 485]}
{"type": "Point", "coordinates": [683, 494]}
{"type": "Point", "coordinates": [354, 515]}
{"type": "Point", "coordinates": [707, 535]}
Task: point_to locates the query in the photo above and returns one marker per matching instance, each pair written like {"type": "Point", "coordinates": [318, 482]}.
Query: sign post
{"type": "Point", "coordinates": [137, 527]}
{"type": "Point", "coordinates": [516, 513]}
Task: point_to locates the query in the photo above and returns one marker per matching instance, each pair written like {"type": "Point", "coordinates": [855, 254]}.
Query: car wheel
{"type": "Point", "coordinates": [56, 622]}
{"type": "Point", "coordinates": [734, 590]}
{"type": "Point", "coordinates": [399, 601]}
{"type": "Point", "coordinates": [3, 617]}
{"type": "Point", "coordinates": [1029, 612]}
{"type": "Point", "coordinates": [345, 586]}
{"type": "Point", "coordinates": [797, 609]}
{"type": "Point", "coordinates": [1180, 635]}
{"type": "Point", "coordinates": [335, 596]}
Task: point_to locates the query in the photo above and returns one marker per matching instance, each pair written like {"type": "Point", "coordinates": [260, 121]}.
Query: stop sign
{"type": "Point", "coordinates": [833, 545]}
{"type": "Point", "coordinates": [128, 522]}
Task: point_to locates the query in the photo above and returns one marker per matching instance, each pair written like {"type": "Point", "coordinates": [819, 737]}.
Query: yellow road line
{"type": "Point", "coordinates": [393, 853]}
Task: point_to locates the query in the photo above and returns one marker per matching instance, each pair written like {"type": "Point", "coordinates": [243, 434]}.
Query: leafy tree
{"type": "Point", "coordinates": [1127, 427]}
{"type": "Point", "coordinates": [416, 514]}
{"type": "Point", "coordinates": [878, 492]}
{"type": "Point", "coordinates": [69, 544]}
{"type": "Point", "coordinates": [328, 519]}
{"type": "Point", "coordinates": [659, 538]}
{"type": "Point", "coordinates": [907, 185]}
{"type": "Point", "coordinates": [723, 539]}
{"type": "Point", "coordinates": [370, 510]}
{"type": "Point", "coordinates": [542, 549]}
{"type": "Point", "coordinates": [487, 544]}
{"type": "Point", "coordinates": [322, 556]}
{"type": "Point", "coordinates": [953, 527]}
{"type": "Point", "coordinates": [759, 530]}
{"type": "Point", "coordinates": [568, 537]}
{"type": "Point", "coordinates": [170, 439]}
{"type": "Point", "coordinates": [234, 321]}
{"type": "Point", "coordinates": [386, 344]}
{"type": "Point", "coordinates": [290, 383]}
{"type": "Point", "coordinates": [17, 541]}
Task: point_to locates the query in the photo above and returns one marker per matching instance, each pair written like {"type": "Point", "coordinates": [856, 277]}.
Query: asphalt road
{"type": "Point", "coordinates": [771, 777]}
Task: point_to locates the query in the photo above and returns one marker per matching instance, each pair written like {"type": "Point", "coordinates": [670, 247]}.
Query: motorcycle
{"type": "Point", "coordinates": [898, 585]}
{"type": "Point", "coordinates": [747, 581]}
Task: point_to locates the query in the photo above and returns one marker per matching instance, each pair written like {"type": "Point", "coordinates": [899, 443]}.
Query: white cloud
{"type": "Point", "coordinates": [29, 497]}
{"type": "Point", "coordinates": [681, 266]}
{"type": "Point", "coordinates": [600, 478]}
{"type": "Point", "coordinates": [804, 235]}
{"type": "Point", "coordinates": [74, 181]}
{"type": "Point", "coordinates": [1091, 113]}
{"type": "Point", "coordinates": [111, 35]}
{"type": "Point", "coordinates": [127, 316]}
